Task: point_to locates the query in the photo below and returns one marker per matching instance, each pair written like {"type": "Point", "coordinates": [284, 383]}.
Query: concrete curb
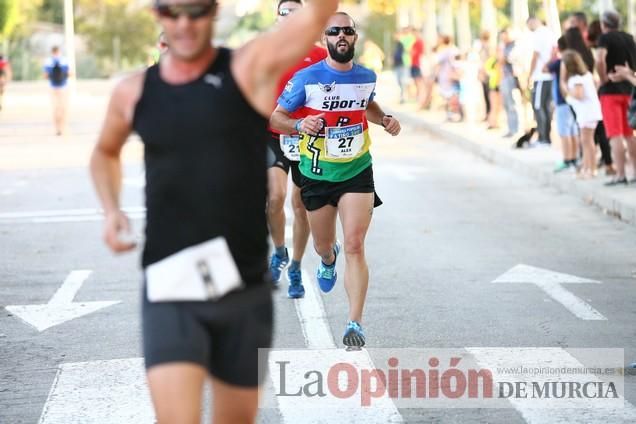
{"type": "Point", "coordinates": [599, 198]}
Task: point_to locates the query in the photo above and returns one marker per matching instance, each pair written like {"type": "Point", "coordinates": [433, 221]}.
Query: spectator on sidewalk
{"type": "Point", "coordinates": [574, 40]}
{"type": "Point", "coordinates": [447, 76]}
{"type": "Point", "coordinates": [566, 123]}
{"type": "Point", "coordinates": [492, 68]}
{"type": "Point", "coordinates": [542, 45]}
{"type": "Point", "coordinates": [509, 83]}
{"type": "Point", "coordinates": [625, 73]}
{"type": "Point", "coordinates": [417, 50]}
{"type": "Point", "coordinates": [600, 137]}
{"type": "Point", "coordinates": [482, 46]}
{"type": "Point", "coordinates": [407, 39]}
{"type": "Point", "coordinates": [616, 47]}
{"type": "Point", "coordinates": [5, 76]}
{"type": "Point", "coordinates": [579, 20]}
{"type": "Point", "coordinates": [578, 85]}
{"type": "Point", "coordinates": [398, 65]}
{"type": "Point", "coordinates": [57, 72]}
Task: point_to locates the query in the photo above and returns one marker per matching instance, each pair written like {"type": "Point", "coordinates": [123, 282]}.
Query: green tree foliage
{"type": "Point", "coordinates": [114, 27]}
{"type": "Point", "coordinates": [8, 16]}
{"type": "Point", "coordinates": [380, 28]}
{"type": "Point", "coordinates": [52, 11]}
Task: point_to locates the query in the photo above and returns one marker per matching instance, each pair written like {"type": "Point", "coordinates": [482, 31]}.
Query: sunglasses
{"type": "Point", "coordinates": [335, 30]}
{"type": "Point", "coordinates": [192, 11]}
{"type": "Point", "coordinates": [286, 11]}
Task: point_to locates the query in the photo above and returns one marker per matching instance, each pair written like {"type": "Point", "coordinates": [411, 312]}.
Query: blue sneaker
{"type": "Point", "coordinates": [353, 336]}
{"type": "Point", "coordinates": [277, 265]}
{"type": "Point", "coordinates": [295, 289]}
{"type": "Point", "coordinates": [327, 274]}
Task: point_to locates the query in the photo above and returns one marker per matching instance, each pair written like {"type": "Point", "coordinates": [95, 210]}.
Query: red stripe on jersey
{"type": "Point", "coordinates": [335, 119]}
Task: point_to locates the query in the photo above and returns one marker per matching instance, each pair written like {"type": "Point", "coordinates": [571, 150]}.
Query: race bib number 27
{"type": "Point", "coordinates": [344, 142]}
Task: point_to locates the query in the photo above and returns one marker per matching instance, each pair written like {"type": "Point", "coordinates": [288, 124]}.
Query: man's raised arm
{"type": "Point", "coordinates": [258, 65]}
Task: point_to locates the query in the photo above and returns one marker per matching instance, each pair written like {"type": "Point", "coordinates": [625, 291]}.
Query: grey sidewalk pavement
{"type": "Point", "coordinates": [536, 163]}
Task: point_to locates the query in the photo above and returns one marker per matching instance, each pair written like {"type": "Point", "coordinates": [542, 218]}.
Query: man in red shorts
{"type": "Point", "coordinates": [284, 157]}
{"type": "Point", "coordinates": [616, 48]}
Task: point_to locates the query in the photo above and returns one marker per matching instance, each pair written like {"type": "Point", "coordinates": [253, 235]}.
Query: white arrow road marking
{"type": "Point", "coordinates": [550, 282]}
{"type": "Point", "coordinates": [313, 320]}
{"type": "Point", "coordinates": [61, 307]}
{"type": "Point", "coordinates": [104, 392]}
{"type": "Point", "coordinates": [553, 410]}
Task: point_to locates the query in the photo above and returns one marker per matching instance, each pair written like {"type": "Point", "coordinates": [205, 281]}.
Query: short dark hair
{"type": "Point", "coordinates": [611, 19]}
{"type": "Point", "coordinates": [581, 17]}
{"type": "Point", "coordinates": [300, 2]}
{"type": "Point", "coordinates": [349, 16]}
{"type": "Point", "coordinates": [562, 44]}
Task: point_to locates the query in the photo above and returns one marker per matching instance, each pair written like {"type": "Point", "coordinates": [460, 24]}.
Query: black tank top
{"type": "Point", "coordinates": [205, 160]}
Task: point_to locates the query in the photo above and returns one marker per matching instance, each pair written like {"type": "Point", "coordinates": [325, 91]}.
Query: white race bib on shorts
{"type": "Point", "coordinates": [344, 142]}
{"type": "Point", "coordinates": [289, 146]}
{"type": "Point", "coordinates": [203, 272]}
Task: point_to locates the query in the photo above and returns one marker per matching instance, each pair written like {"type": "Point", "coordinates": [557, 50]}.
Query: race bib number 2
{"type": "Point", "coordinates": [344, 142]}
{"type": "Point", "coordinates": [289, 146]}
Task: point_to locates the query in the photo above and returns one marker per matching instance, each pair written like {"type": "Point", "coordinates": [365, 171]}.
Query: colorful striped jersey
{"type": "Point", "coordinates": [341, 150]}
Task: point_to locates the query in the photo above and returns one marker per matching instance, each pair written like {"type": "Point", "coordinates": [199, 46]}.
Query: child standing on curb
{"type": "Point", "coordinates": [580, 91]}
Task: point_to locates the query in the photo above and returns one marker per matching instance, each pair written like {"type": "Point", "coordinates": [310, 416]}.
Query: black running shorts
{"type": "Point", "coordinates": [316, 194]}
{"type": "Point", "coordinates": [279, 160]}
{"type": "Point", "coordinates": [223, 337]}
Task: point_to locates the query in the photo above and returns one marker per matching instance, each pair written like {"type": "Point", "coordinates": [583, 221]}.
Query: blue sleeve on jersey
{"type": "Point", "coordinates": [373, 78]}
{"type": "Point", "coordinates": [293, 96]}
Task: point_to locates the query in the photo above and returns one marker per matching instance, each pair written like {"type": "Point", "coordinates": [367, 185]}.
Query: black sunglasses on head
{"type": "Point", "coordinates": [286, 11]}
{"type": "Point", "coordinates": [192, 10]}
{"type": "Point", "coordinates": [335, 30]}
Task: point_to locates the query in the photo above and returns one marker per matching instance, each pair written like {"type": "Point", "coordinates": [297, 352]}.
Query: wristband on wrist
{"type": "Point", "coordinates": [297, 125]}
{"type": "Point", "coordinates": [385, 116]}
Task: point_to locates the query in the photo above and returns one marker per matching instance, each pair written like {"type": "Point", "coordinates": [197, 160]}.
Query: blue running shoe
{"type": "Point", "coordinates": [353, 336]}
{"type": "Point", "coordinates": [295, 289]}
{"type": "Point", "coordinates": [277, 265]}
{"type": "Point", "coordinates": [326, 274]}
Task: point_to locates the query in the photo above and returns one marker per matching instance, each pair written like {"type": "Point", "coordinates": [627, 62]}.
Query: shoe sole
{"type": "Point", "coordinates": [353, 340]}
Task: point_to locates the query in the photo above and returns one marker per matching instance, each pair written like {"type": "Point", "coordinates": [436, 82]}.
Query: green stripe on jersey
{"type": "Point", "coordinates": [334, 171]}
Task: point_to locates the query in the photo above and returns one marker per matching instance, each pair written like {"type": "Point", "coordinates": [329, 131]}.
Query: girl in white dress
{"type": "Point", "coordinates": [577, 85]}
